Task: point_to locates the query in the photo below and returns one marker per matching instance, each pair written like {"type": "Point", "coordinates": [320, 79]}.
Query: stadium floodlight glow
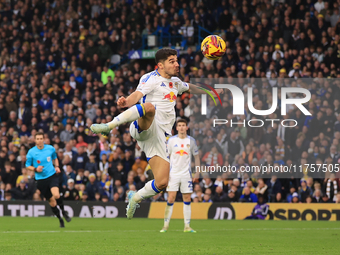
{"type": "Point", "coordinates": [238, 100]}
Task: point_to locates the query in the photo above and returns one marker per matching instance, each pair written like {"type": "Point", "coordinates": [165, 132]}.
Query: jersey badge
{"type": "Point", "coordinates": [176, 85]}
{"type": "Point", "coordinates": [38, 161]}
{"type": "Point", "coordinates": [182, 145]}
{"type": "Point", "coordinates": [48, 159]}
{"type": "Point", "coordinates": [170, 85]}
{"type": "Point", "coordinates": [188, 145]}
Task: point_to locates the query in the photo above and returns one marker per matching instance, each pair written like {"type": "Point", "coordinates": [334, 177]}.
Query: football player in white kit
{"type": "Point", "coordinates": [152, 120]}
{"type": "Point", "coordinates": [180, 148]}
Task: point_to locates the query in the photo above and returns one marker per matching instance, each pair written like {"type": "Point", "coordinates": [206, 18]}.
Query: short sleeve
{"type": "Point", "coordinates": [29, 159]}
{"type": "Point", "coordinates": [193, 145]}
{"type": "Point", "coordinates": [182, 86]}
{"type": "Point", "coordinates": [146, 84]}
{"type": "Point", "coordinates": [54, 153]}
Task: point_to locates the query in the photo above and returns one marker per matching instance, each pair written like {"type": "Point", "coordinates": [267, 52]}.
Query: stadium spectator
{"type": "Point", "coordinates": [220, 195]}
{"type": "Point", "coordinates": [93, 187]}
{"type": "Point", "coordinates": [92, 165]}
{"type": "Point", "coordinates": [80, 159]}
{"type": "Point", "coordinates": [71, 193]}
{"type": "Point", "coordinates": [20, 192]}
{"type": "Point", "coordinates": [304, 191]}
{"type": "Point", "coordinates": [274, 186]}
{"type": "Point", "coordinates": [261, 189]}
{"type": "Point", "coordinates": [139, 163]}
{"type": "Point", "coordinates": [248, 196]}
{"type": "Point", "coordinates": [295, 198]}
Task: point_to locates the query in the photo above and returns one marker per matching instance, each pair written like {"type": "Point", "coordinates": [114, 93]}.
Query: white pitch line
{"type": "Point", "coordinates": [177, 230]}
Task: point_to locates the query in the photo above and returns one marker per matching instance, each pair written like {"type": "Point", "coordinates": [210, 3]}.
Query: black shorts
{"type": "Point", "coordinates": [45, 185]}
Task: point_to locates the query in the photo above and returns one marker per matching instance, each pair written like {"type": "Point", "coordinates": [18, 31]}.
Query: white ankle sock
{"type": "Point", "coordinates": [149, 190]}
{"type": "Point", "coordinates": [167, 215]}
{"type": "Point", "coordinates": [131, 114]}
{"type": "Point", "coordinates": [187, 214]}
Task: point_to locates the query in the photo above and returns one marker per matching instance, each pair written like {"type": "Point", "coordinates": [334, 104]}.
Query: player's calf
{"type": "Point", "coordinates": [133, 113]}
{"type": "Point", "coordinates": [55, 210]}
{"type": "Point", "coordinates": [58, 200]}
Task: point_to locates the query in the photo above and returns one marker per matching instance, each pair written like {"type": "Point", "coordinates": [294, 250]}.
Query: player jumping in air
{"type": "Point", "coordinates": [180, 148]}
{"type": "Point", "coordinates": [152, 120]}
{"type": "Point", "coordinates": [42, 159]}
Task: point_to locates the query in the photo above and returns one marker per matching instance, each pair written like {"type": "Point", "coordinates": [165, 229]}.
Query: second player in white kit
{"type": "Point", "coordinates": [181, 147]}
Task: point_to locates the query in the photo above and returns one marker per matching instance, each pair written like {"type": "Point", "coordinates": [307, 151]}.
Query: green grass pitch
{"type": "Point", "coordinates": [141, 236]}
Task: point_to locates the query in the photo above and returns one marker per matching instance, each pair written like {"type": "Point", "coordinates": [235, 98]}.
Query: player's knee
{"type": "Point", "coordinates": [56, 196]}
{"type": "Point", "coordinates": [149, 109]}
{"type": "Point", "coordinates": [186, 197]}
{"type": "Point", "coordinates": [162, 184]}
{"type": "Point", "coordinates": [171, 199]}
{"type": "Point", "coordinates": [53, 202]}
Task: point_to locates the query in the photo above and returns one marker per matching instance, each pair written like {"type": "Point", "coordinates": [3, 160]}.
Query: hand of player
{"type": "Point", "coordinates": [196, 177]}
{"type": "Point", "coordinates": [122, 102]}
{"type": "Point", "coordinates": [57, 169]}
{"type": "Point", "coordinates": [39, 169]}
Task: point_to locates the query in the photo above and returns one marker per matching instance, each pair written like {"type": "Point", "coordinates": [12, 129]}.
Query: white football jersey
{"type": "Point", "coordinates": [180, 151]}
{"type": "Point", "coordinates": [162, 93]}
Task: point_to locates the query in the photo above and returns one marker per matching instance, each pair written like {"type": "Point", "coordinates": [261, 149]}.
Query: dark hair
{"type": "Point", "coordinates": [163, 54]}
{"type": "Point", "coordinates": [182, 121]}
{"type": "Point", "coordinates": [38, 133]}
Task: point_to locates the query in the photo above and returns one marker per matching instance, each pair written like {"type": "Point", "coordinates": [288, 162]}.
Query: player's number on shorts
{"type": "Point", "coordinates": [190, 184]}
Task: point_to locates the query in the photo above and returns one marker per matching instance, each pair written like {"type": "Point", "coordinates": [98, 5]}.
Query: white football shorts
{"type": "Point", "coordinates": [176, 183]}
{"type": "Point", "coordinates": [152, 141]}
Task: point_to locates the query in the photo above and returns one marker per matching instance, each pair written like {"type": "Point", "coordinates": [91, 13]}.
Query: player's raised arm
{"type": "Point", "coordinates": [194, 89]}
{"type": "Point", "coordinates": [130, 100]}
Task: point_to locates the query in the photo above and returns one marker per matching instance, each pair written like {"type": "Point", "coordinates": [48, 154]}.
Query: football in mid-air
{"type": "Point", "coordinates": [213, 47]}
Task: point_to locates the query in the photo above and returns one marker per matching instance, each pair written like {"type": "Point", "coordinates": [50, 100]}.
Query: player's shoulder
{"type": "Point", "coordinates": [149, 77]}
{"type": "Point", "coordinates": [172, 138]}
{"type": "Point", "coordinates": [175, 78]}
{"type": "Point", "coordinates": [33, 148]}
{"type": "Point", "coordinates": [49, 147]}
{"type": "Point", "coordinates": [191, 138]}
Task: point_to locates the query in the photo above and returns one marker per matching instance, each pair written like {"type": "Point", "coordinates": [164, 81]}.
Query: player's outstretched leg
{"type": "Point", "coordinates": [160, 168]}
{"type": "Point", "coordinates": [187, 213]}
{"type": "Point", "coordinates": [133, 113]}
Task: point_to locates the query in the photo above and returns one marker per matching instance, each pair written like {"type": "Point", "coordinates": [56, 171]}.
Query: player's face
{"type": "Point", "coordinates": [39, 140]}
{"type": "Point", "coordinates": [171, 66]}
{"type": "Point", "coordinates": [182, 128]}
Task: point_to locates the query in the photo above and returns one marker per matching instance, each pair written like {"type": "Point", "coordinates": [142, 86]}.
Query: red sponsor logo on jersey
{"type": "Point", "coordinates": [181, 152]}
{"type": "Point", "coordinates": [38, 161]}
{"type": "Point", "coordinates": [171, 96]}
{"type": "Point", "coordinates": [170, 85]}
